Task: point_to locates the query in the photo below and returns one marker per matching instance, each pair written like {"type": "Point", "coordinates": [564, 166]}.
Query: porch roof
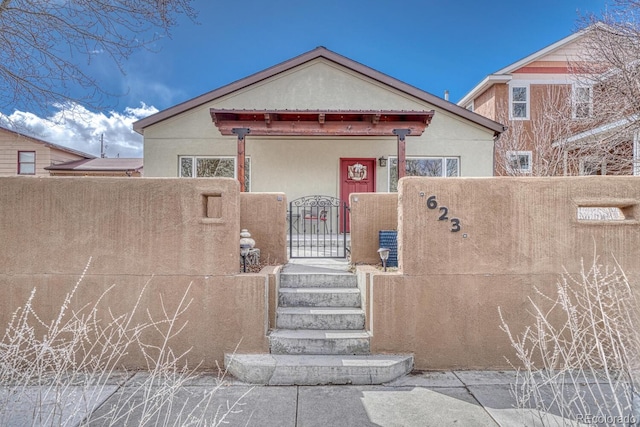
{"type": "Point", "coordinates": [321, 122]}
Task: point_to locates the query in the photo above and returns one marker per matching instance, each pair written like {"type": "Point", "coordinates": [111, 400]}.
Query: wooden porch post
{"type": "Point", "coordinates": [241, 132]}
{"type": "Point", "coordinates": [402, 158]}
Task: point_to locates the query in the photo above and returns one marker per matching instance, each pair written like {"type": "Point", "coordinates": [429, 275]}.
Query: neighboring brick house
{"type": "Point", "coordinates": [24, 155]}
{"type": "Point", "coordinates": [549, 111]}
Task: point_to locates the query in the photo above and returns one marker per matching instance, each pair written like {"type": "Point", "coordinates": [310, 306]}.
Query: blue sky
{"type": "Point", "coordinates": [433, 45]}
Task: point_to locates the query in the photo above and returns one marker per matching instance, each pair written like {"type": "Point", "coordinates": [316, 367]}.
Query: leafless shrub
{"type": "Point", "coordinates": [59, 372]}
{"type": "Point", "coordinates": [547, 124]}
{"type": "Point", "coordinates": [600, 214]}
{"type": "Point", "coordinates": [589, 125]}
{"type": "Point", "coordinates": [580, 358]}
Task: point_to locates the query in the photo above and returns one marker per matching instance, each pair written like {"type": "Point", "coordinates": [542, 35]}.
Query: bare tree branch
{"type": "Point", "coordinates": [48, 46]}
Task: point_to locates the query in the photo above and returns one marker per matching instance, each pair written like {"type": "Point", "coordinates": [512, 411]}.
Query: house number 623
{"type": "Point", "coordinates": [432, 203]}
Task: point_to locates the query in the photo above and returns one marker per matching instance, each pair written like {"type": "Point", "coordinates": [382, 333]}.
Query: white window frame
{"type": "Point", "coordinates": [26, 167]}
{"type": "Point", "coordinates": [471, 106]}
{"type": "Point", "coordinates": [235, 166]}
{"type": "Point", "coordinates": [517, 154]}
{"type": "Point", "coordinates": [527, 102]}
{"type": "Point", "coordinates": [574, 99]}
{"type": "Point", "coordinates": [443, 167]}
{"type": "Point", "coordinates": [586, 162]}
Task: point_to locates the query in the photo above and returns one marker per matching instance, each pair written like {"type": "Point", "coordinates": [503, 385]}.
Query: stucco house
{"type": "Point", "coordinates": [319, 123]}
{"type": "Point", "coordinates": [25, 155]}
{"type": "Point", "coordinates": [549, 102]}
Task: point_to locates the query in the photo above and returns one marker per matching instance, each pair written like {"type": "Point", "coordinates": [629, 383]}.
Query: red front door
{"type": "Point", "coordinates": [356, 176]}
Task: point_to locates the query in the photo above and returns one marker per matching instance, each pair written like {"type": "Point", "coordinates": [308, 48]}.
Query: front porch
{"type": "Point", "coordinates": [330, 246]}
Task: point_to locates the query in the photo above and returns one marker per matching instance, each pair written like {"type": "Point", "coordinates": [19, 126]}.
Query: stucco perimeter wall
{"type": "Point", "coordinates": [515, 234]}
{"type": "Point", "coordinates": [370, 213]}
{"type": "Point", "coordinates": [265, 216]}
{"type": "Point", "coordinates": [161, 239]}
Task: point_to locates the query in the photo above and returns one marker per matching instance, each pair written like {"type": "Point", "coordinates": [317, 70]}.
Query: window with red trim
{"type": "Point", "coordinates": [26, 162]}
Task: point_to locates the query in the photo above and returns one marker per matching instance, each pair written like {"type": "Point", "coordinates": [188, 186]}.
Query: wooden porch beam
{"type": "Point", "coordinates": [241, 132]}
{"type": "Point", "coordinates": [402, 156]}
{"type": "Point", "coordinates": [329, 128]}
{"type": "Point", "coordinates": [321, 123]}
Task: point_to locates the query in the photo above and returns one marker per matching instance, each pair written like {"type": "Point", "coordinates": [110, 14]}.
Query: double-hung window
{"type": "Point", "coordinates": [423, 166]}
{"type": "Point", "coordinates": [592, 166]}
{"type": "Point", "coordinates": [519, 161]}
{"type": "Point", "coordinates": [213, 167]}
{"type": "Point", "coordinates": [519, 102]}
{"type": "Point", "coordinates": [582, 102]}
{"type": "Point", "coordinates": [26, 162]}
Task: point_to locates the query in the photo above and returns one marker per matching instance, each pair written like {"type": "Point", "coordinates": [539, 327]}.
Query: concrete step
{"type": "Point", "coordinates": [279, 369]}
{"type": "Point", "coordinates": [319, 297]}
{"type": "Point", "coordinates": [300, 341]}
{"type": "Point", "coordinates": [333, 318]}
{"type": "Point", "coordinates": [318, 280]}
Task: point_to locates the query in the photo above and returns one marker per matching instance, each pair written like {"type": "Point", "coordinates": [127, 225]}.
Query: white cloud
{"type": "Point", "coordinates": [139, 87]}
{"type": "Point", "coordinates": [76, 127]}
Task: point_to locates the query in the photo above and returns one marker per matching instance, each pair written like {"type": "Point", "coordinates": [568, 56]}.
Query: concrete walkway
{"type": "Point", "coordinates": [455, 398]}
{"type": "Point", "coordinates": [425, 399]}
{"type": "Point", "coordinates": [316, 265]}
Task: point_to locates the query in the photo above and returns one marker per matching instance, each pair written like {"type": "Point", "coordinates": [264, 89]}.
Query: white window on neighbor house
{"type": "Point", "coordinates": [592, 166]}
{"type": "Point", "coordinates": [423, 166]}
{"type": "Point", "coordinates": [582, 102]}
{"type": "Point", "coordinates": [519, 161]}
{"type": "Point", "coordinates": [213, 167]}
{"type": "Point", "coordinates": [26, 162]}
{"type": "Point", "coordinates": [519, 102]}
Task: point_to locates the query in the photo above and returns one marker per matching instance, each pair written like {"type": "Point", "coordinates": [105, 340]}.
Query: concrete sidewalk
{"type": "Point", "coordinates": [452, 398]}
{"type": "Point", "coordinates": [460, 398]}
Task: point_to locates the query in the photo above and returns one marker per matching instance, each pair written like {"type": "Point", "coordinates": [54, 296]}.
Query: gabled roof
{"type": "Point", "coordinates": [504, 75]}
{"type": "Point", "coordinates": [50, 144]}
{"type": "Point", "coordinates": [100, 164]}
{"type": "Point", "coordinates": [616, 127]}
{"type": "Point", "coordinates": [319, 52]}
{"type": "Point", "coordinates": [542, 52]}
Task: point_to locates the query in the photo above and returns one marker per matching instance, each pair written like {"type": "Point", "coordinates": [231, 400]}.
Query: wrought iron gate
{"type": "Point", "coordinates": [316, 227]}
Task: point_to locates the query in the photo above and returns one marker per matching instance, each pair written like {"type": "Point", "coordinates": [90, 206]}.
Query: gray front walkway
{"type": "Point", "coordinates": [316, 265]}
{"type": "Point", "coordinates": [455, 398]}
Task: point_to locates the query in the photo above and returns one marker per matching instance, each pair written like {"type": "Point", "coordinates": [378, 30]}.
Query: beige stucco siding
{"type": "Point", "coordinates": [320, 84]}
{"type": "Point", "coordinates": [301, 166]}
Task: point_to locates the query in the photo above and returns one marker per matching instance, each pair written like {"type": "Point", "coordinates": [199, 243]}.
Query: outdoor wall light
{"type": "Point", "coordinates": [383, 161]}
{"type": "Point", "coordinates": [384, 256]}
{"type": "Point", "coordinates": [246, 244]}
